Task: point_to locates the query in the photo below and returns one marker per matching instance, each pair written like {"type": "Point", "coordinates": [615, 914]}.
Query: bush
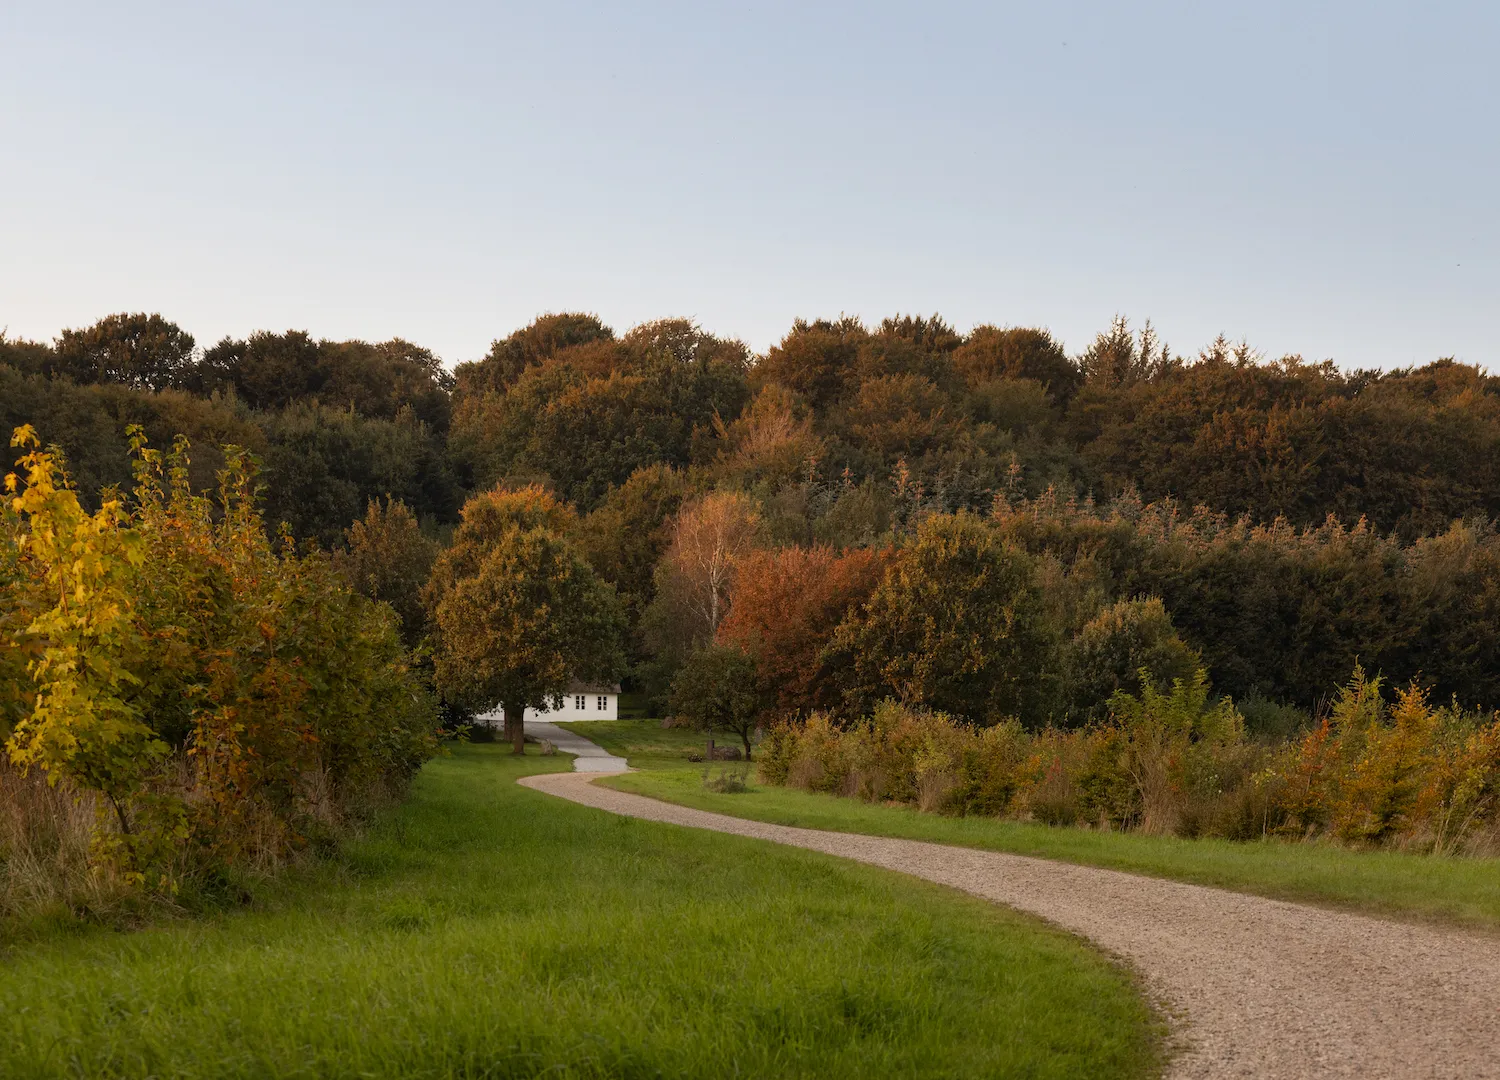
{"type": "Point", "coordinates": [1174, 759]}
{"type": "Point", "coordinates": [1114, 647]}
{"type": "Point", "coordinates": [727, 782]}
{"type": "Point", "coordinates": [220, 699]}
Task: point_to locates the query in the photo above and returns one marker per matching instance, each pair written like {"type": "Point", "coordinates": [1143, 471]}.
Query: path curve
{"type": "Point", "coordinates": [1256, 987]}
{"type": "Point", "coordinates": [588, 757]}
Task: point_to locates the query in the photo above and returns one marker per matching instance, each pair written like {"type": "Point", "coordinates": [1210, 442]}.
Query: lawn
{"type": "Point", "coordinates": [1452, 890]}
{"type": "Point", "coordinates": [486, 930]}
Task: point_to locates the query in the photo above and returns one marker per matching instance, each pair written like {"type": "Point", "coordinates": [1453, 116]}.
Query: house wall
{"type": "Point", "coordinates": [590, 710]}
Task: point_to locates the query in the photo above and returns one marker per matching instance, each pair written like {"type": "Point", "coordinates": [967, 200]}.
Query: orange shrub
{"type": "Point", "coordinates": [1176, 760]}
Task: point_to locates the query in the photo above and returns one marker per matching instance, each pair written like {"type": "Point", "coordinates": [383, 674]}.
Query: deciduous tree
{"type": "Point", "coordinates": [717, 690]}
{"type": "Point", "coordinates": [140, 350]}
{"type": "Point", "coordinates": [1017, 352]}
{"type": "Point", "coordinates": [1112, 650]}
{"type": "Point", "coordinates": [693, 582]}
{"type": "Point", "coordinates": [784, 608]}
{"type": "Point", "coordinates": [518, 611]}
{"type": "Point", "coordinates": [625, 535]}
{"type": "Point", "coordinates": [955, 625]}
{"type": "Point", "coordinates": [389, 560]}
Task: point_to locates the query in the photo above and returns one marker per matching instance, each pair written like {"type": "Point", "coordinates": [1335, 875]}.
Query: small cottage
{"type": "Point", "coordinates": [583, 701]}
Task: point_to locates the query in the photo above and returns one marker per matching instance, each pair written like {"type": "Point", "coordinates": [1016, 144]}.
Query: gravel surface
{"type": "Point", "coordinates": [1253, 987]}
{"type": "Point", "coordinates": [587, 756]}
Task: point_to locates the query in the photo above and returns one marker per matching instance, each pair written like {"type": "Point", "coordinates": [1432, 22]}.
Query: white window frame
{"type": "Point", "coordinates": [602, 705]}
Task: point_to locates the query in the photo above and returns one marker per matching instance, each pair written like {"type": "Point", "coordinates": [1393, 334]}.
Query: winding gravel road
{"type": "Point", "coordinates": [1254, 987]}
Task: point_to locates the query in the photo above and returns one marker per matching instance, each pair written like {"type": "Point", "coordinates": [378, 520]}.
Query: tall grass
{"type": "Point", "coordinates": [45, 836]}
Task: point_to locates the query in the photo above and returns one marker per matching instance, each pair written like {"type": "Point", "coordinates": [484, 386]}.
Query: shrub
{"type": "Point", "coordinates": [1162, 751]}
{"type": "Point", "coordinates": [1174, 759]}
{"type": "Point", "coordinates": [1112, 649]}
{"type": "Point", "coordinates": [728, 781]}
{"type": "Point", "coordinates": [1373, 773]}
{"type": "Point", "coordinates": [219, 698]}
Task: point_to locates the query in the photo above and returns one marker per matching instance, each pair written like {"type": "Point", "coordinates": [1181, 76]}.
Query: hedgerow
{"type": "Point", "coordinates": [1174, 759]}
{"type": "Point", "coordinates": [214, 697]}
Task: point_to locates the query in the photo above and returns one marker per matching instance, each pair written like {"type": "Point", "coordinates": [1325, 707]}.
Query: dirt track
{"type": "Point", "coordinates": [1257, 988]}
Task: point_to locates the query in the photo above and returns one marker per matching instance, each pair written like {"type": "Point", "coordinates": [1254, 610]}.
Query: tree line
{"type": "Point", "coordinates": [568, 403]}
{"type": "Point", "coordinates": [975, 526]}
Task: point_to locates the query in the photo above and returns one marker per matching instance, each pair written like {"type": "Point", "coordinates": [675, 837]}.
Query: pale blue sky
{"type": "Point", "coordinates": [1317, 177]}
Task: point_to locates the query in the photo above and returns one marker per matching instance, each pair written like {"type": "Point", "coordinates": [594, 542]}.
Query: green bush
{"type": "Point", "coordinates": [1114, 647]}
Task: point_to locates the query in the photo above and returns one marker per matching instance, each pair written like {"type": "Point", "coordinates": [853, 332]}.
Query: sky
{"type": "Point", "coordinates": [1315, 178]}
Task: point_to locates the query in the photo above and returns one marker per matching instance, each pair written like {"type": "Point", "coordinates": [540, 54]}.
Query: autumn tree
{"type": "Point", "coordinates": [815, 359]}
{"type": "Point", "coordinates": [265, 370]}
{"type": "Point", "coordinates": [139, 350]}
{"type": "Point", "coordinates": [324, 464]}
{"type": "Point", "coordinates": [389, 560]}
{"type": "Point", "coordinates": [1120, 356]}
{"type": "Point", "coordinates": [625, 535]}
{"type": "Point", "coordinates": [385, 378]}
{"type": "Point", "coordinates": [785, 606]}
{"type": "Point", "coordinates": [1112, 650]}
{"type": "Point", "coordinates": [717, 690]}
{"type": "Point", "coordinates": [83, 721]}
{"type": "Point", "coordinates": [584, 421]}
{"type": "Point", "coordinates": [693, 581]}
{"type": "Point", "coordinates": [21, 355]}
{"type": "Point", "coordinates": [1018, 352]}
{"type": "Point", "coordinates": [909, 345]}
{"type": "Point", "coordinates": [898, 416]}
{"type": "Point", "coordinates": [518, 612]}
{"type": "Point", "coordinates": [510, 357]}
{"type": "Point", "coordinates": [955, 625]}
{"type": "Point", "coordinates": [194, 672]}
{"type": "Point", "coordinates": [771, 442]}
{"type": "Point", "coordinates": [694, 577]}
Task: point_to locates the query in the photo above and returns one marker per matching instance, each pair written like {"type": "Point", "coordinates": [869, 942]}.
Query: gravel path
{"type": "Point", "coordinates": [1255, 987]}
{"type": "Point", "coordinates": [588, 756]}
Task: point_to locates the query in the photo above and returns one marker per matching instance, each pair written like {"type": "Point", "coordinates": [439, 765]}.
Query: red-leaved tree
{"type": "Point", "coordinates": [784, 608]}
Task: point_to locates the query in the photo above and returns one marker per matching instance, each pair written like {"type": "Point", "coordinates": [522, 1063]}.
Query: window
{"type": "Point", "coordinates": [601, 705]}
{"type": "Point", "coordinates": [578, 703]}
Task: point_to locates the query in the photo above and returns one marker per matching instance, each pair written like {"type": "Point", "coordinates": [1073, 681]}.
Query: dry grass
{"type": "Point", "coordinates": [53, 866]}
{"type": "Point", "coordinates": [45, 838]}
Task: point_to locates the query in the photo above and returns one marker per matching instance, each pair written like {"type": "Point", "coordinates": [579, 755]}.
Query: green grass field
{"type": "Point", "coordinates": [485, 930]}
{"type": "Point", "coordinates": [1454, 890]}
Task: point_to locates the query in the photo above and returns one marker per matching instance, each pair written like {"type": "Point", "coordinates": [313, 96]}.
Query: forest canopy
{"type": "Point", "coordinates": [1286, 517]}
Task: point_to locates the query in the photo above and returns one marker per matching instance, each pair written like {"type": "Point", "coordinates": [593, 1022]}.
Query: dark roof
{"type": "Point", "coordinates": [578, 686]}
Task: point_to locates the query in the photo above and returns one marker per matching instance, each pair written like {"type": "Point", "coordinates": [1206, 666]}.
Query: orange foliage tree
{"type": "Point", "coordinates": [784, 608]}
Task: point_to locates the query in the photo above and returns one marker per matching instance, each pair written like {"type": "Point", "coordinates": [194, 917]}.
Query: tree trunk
{"type": "Point", "coordinates": [515, 727]}
{"type": "Point", "coordinates": [746, 736]}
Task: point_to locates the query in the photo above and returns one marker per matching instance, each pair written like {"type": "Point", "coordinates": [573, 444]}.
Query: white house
{"type": "Point", "coordinates": [583, 701]}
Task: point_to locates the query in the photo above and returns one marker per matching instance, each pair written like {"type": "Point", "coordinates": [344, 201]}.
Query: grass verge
{"type": "Point", "coordinates": [484, 929]}
{"type": "Point", "coordinates": [1452, 890]}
